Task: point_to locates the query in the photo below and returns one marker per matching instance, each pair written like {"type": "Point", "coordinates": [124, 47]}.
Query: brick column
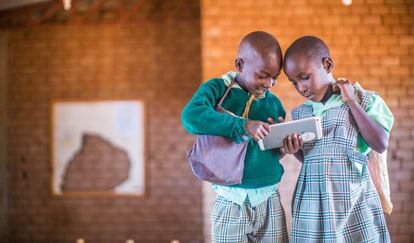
{"type": "Point", "coordinates": [3, 136]}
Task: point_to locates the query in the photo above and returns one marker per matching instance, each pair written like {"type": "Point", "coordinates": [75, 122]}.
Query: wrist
{"type": "Point", "coordinates": [351, 102]}
{"type": "Point", "coordinates": [245, 130]}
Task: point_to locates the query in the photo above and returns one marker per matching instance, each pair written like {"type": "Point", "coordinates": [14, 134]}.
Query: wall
{"type": "Point", "coordinates": [156, 60]}
{"type": "Point", "coordinates": [3, 135]}
{"type": "Point", "coordinates": [371, 41]}
{"type": "Point", "coordinates": [159, 60]}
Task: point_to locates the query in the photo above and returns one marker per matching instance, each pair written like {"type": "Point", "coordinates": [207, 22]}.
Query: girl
{"type": "Point", "coordinates": [335, 199]}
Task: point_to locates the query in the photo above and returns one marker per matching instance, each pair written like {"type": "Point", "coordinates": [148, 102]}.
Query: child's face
{"type": "Point", "coordinates": [258, 74]}
{"type": "Point", "coordinates": [311, 79]}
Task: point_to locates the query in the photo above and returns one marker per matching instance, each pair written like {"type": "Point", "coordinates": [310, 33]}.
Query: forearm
{"type": "Point", "coordinates": [373, 133]}
{"type": "Point", "coordinates": [202, 119]}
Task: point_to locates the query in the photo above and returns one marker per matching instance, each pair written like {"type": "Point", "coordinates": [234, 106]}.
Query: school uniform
{"type": "Point", "coordinates": [250, 211]}
{"type": "Point", "coordinates": [335, 199]}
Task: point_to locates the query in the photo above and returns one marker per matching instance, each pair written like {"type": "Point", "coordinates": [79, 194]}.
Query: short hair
{"type": "Point", "coordinates": [261, 41]}
{"type": "Point", "coordinates": [310, 46]}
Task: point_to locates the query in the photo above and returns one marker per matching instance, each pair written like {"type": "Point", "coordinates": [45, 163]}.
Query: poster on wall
{"type": "Point", "coordinates": [97, 147]}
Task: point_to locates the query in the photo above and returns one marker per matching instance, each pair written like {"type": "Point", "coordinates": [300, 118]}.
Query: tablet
{"type": "Point", "coordinates": [308, 128]}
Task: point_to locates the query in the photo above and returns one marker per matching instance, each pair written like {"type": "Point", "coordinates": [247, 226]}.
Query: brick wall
{"type": "Point", "coordinates": [3, 136]}
{"type": "Point", "coordinates": [156, 60]}
{"type": "Point", "coordinates": [371, 41]}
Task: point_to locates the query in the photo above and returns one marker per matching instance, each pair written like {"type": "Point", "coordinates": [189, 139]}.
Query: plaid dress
{"type": "Point", "coordinates": [334, 199]}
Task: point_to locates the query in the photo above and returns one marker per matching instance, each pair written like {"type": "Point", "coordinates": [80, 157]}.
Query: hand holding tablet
{"type": "Point", "coordinates": [308, 128]}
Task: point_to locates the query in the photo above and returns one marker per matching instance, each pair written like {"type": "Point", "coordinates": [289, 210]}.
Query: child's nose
{"type": "Point", "coordinates": [301, 88]}
{"type": "Point", "coordinates": [268, 83]}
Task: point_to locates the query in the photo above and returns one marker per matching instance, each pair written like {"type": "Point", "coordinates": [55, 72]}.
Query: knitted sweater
{"type": "Point", "coordinates": [261, 168]}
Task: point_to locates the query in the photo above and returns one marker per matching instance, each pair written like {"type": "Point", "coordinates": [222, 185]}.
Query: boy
{"type": "Point", "coordinates": [252, 210]}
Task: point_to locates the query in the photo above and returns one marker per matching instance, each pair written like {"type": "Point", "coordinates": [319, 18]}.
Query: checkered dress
{"type": "Point", "coordinates": [334, 199]}
{"type": "Point", "coordinates": [235, 223]}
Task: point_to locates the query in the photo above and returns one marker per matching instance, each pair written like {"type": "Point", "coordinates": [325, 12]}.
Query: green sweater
{"type": "Point", "coordinates": [261, 168]}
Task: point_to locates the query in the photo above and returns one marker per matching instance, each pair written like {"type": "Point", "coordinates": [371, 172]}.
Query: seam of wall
{"type": "Point", "coordinates": [3, 136]}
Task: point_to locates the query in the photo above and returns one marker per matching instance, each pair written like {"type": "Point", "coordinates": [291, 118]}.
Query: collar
{"type": "Point", "coordinates": [335, 100]}
{"type": "Point", "coordinates": [229, 76]}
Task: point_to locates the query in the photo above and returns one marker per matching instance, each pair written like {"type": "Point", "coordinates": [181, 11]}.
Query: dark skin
{"type": "Point", "coordinates": [258, 68]}
{"type": "Point", "coordinates": [315, 81]}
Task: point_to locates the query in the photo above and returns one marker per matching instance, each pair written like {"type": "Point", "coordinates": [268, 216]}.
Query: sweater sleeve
{"type": "Point", "coordinates": [200, 117]}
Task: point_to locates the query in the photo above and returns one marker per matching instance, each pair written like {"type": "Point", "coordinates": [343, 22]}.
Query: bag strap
{"type": "Point", "coordinates": [227, 91]}
{"type": "Point", "coordinates": [219, 108]}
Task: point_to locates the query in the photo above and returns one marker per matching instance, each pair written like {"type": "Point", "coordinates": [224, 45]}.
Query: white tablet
{"type": "Point", "coordinates": [308, 128]}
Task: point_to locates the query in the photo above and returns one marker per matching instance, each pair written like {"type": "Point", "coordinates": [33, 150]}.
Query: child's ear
{"type": "Point", "coordinates": [239, 64]}
{"type": "Point", "coordinates": [327, 64]}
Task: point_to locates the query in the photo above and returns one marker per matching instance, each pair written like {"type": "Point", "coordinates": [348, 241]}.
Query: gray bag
{"type": "Point", "coordinates": [219, 159]}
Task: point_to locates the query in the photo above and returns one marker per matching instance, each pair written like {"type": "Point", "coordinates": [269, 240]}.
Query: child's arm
{"type": "Point", "coordinates": [257, 129]}
{"type": "Point", "coordinates": [372, 132]}
{"type": "Point", "coordinates": [200, 117]}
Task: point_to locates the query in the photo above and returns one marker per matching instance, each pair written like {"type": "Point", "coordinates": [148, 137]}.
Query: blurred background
{"type": "Point", "coordinates": [160, 51]}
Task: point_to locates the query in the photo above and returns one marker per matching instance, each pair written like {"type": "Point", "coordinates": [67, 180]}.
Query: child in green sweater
{"type": "Point", "coordinates": [250, 211]}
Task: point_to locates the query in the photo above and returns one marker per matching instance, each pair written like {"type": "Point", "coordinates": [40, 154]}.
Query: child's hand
{"type": "Point", "coordinates": [271, 121]}
{"type": "Point", "coordinates": [292, 144]}
{"type": "Point", "coordinates": [346, 89]}
{"type": "Point", "coordinates": [257, 129]}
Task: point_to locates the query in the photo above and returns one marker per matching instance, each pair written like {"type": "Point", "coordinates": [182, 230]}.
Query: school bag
{"type": "Point", "coordinates": [377, 167]}
{"type": "Point", "coordinates": [219, 159]}
{"type": "Point", "coordinates": [379, 173]}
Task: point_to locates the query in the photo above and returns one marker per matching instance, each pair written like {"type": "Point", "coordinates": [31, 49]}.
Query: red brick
{"type": "Point", "coordinates": [405, 154]}
{"type": "Point", "coordinates": [383, 30]}
{"type": "Point", "coordinates": [352, 19]}
{"type": "Point", "coordinates": [407, 40]}
{"type": "Point", "coordinates": [399, 9]}
{"type": "Point", "coordinates": [372, 19]}
{"type": "Point", "coordinates": [398, 197]}
{"type": "Point", "coordinates": [401, 29]}
{"type": "Point", "coordinates": [401, 238]}
{"type": "Point", "coordinates": [390, 61]}
{"type": "Point", "coordinates": [407, 186]}
{"type": "Point", "coordinates": [407, 19]}
{"type": "Point", "coordinates": [380, 9]}
{"type": "Point", "coordinates": [399, 71]}
{"type": "Point", "coordinates": [398, 218]}
{"type": "Point", "coordinates": [391, 19]}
